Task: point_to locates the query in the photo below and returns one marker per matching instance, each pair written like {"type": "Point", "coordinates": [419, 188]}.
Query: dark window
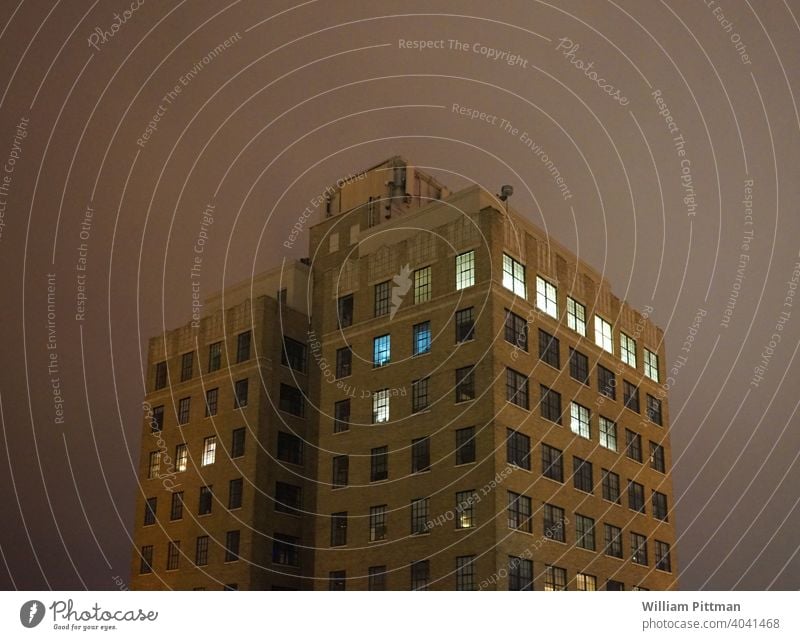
{"type": "Point", "coordinates": [465, 384]}
{"type": "Point", "coordinates": [549, 351]}
{"type": "Point", "coordinates": [606, 382]}
{"type": "Point", "coordinates": [243, 347]}
{"type": "Point", "coordinates": [235, 488]}
{"type": "Point", "coordinates": [630, 395]}
{"type": "Point", "coordinates": [638, 548]}
{"type": "Point", "coordinates": [465, 324]}
{"type": "Point", "coordinates": [157, 419]}
{"type": "Point", "coordinates": [422, 338]}
{"type": "Point", "coordinates": [379, 464]}
{"type": "Point", "coordinates": [232, 546]}
{"type": "Point", "coordinates": [146, 563]}
{"type": "Point", "coordinates": [382, 298]}
{"type": "Point", "coordinates": [517, 388]}
{"type": "Point", "coordinates": [150, 511]}
{"type": "Point", "coordinates": [636, 496]}
{"type": "Point", "coordinates": [214, 356]}
{"type": "Point", "coordinates": [187, 365]}
{"type": "Point", "coordinates": [344, 306]}
{"type": "Point", "coordinates": [552, 463]}
{"type": "Point", "coordinates": [377, 523]}
{"type": "Point", "coordinates": [582, 474]}
{"type": "Point", "coordinates": [614, 585]}
{"type": "Point", "coordinates": [518, 449]}
{"type": "Point", "coordinates": [291, 401]}
{"type": "Point", "coordinates": [344, 362]}
{"type": "Point", "coordinates": [237, 442]}
{"type": "Point", "coordinates": [654, 409]}
{"type": "Point", "coordinates": [633, 445]}
{"type": "Point", "coordinates": [516, 330]}
{"type": "Point", "coordinates": [420, 455]}
{"type": "Point", "coordinates": [176, 506]}
{"type": "Point", "coordinates": [240, 394]}
{"type": "Point", "coordinates": [519, 512]}
{"type": "Point", "coordinates": [584, 532]}
{"type": "Point", "coordinates": [419, 515]}
{"type": "Point", "coordinates": [201, 551]}
{"type": "Point", "coordinates": [663, 561]}
{"type": "Point", "coordinates": [184, 410]}
{"type": "Point", "coordinates": [339, 529]}
{"type": "Point", "coordinates": [555, 579]}
{"type": "Point", "coordinates": [465, 445]}
{"type": "Point", "coordinates": [285, 550]}
{"type": "Point", "coordinates": [550, 404]}
{"type": "Point", "coordinates": [657, 460]}
{"type": "Point", "coordinates": [420, 575]}
{"type": "Point", "coordinates": [613, 540]}
{"type": "Point", "coordinates": [554, 523]}
{"type": "Point", "coordinates": [340, 470]}
{"type": "Point", "coordinates": [161, 375]}
{"type": "Point", "coordinates": [212, 396]}
{"type": "Point", "coordinates": [294, 354]}
{"type": "Point", "coordinates": [660, 506]}
{"type": "Point", "coordinates": [465, 509]}
{"type": "Point", "coordinates": [578, 366]}
{"type": "Point", "coordinates": [290, 448]}
{"type": "Point", "coordinates": [173, 554]}
{"type": "Point", "coordinates": [337, 580]}
{"type": "Point", "coordinates": [465, 573]}
{"type": "Point", "coordinates": [419, 395]}
{"type": "Point", "coordinates": [520, 574]}
{"type": "Point", "coordinates": [288, 498]}
{"type": "Point", "coordinates": [377, 578]}
{"type": "Point", "coordinates": [341, 415]}
{"type": "Point", "coordinates": [610, 486]}
{"type": "Point", "coordinates": [206, 500]}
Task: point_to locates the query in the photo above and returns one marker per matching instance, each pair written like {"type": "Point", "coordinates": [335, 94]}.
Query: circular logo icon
{"type": "Point", "coordinates": [31, 613]}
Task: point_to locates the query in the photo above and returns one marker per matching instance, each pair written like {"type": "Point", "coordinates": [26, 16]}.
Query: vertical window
{"type": "Point", "coordinates": [421, 338]}
{"type": "Point", "coordinates": [579, 420]}
{"type": "Point", "coordinates": [419, 395]}
{"type": "Point", "coordinates": [576, 316]}
{"type": "Point", "coordinates": [651, 365]}
{"type": "Point", "coordinates": [520, 574]}
{"type": "Point", "coordinates": [340, 471]}
{"type": "Point", "coordinates": [420, 455]}
{"type": "Point", "coordinates": [603, 335]}
{"type": "Point", "coordinates": [422, 285]}
{"type": "Point", "coordinates": [519, 512]}
{"type": "Point", "coordinates": [176, 506]}
{"type": "Point", "coordinates": [377, 523]}
{"type": "Point", "coordinates": [150, 511]}
{"type": "Point", "coordinates": [290, 448]}
{"type": "Point", "coordinates": [517, 388]}
{"type": "Point", "coordinates": [288, 498]}
{"type": "Point", "coordinates": [582, 474]}
{"type": "Point", "coordinates": [584, 532]}
{"type": "Point", "coordinates": [465, 509]}
{"type": "Point", "coordinates": [181, 457]}
{"type": "Point", "coordinates": [232, 546]}
{"type": "Point", "coordinates": [554, 523]}
{"type": "Point", "coordinates": [337, 580]}
{"type": "Point", "coordinates": [419, 515]}
{"type": "Point", "coordinates": [660, 506]}
{"type": "Point", "coordinates": [237, 442]}
{"type": "Point", "coordinates": [157, 419]}
{"type": "Point", "coordinates": [294, 354]}
{"type": "Point", "coordinates": [380, 406]}
{"type": "Point", "coordinates": [212, 395]}
{"type": "Point", "coordinates": [546, 297]}
{"type": "Point", "coordinates": [173, 554]}
{"type": "Point", "coordinates": [663, 561]}
{"type": "Point", "coordinates": [578, 366]}
{"type": "Point", "coordinates": [187, 364]}
{"type": "Point", "coordinates": [243, 347]}
{"type": "Point", "coordinates": [373, 215]}
{"type": "Point", "coordinates": [291, 400]}
{"type": "Point", "coordinates": [552, 463]}
{"type": "Point", "coordinates": [514, 276]}
{"type": "Point", "coordinates": [146, 563]}
{"type": "Point", "coordinates": [209, 451]}
{"type": "Point", "coordinates": [344, 362]}
{"type": "Point", "coordinates": [636, 496]}
{"type": "Point", "coordinates": [383, 297]}
{"type": "Point", "coordinates": [465, 445]}
{"type": "Point", "coordinates": [240, 394]}
{"type": "Point", "coordinates": [465, 270]}
{"type": "Point", "coordinates": [184, 410]}
{"type": "Point", "coordinates": [465, 384]}
{"type": "Point", "coordinates": [657, 460]}
{"type": "Point", "coordinates": [638, 548]}
{"type": "Point", "coordinates": [606, 382]}
{"type": "Point", "coordinates": [585, 582]}
{"type": "Point", "coordinates": [613, 540]}
{"type": "Point", "coordinates": [610, 486]}
{"type": "Point", "coordinates": [153, 465]}
{"type": "Point", "coordinates": [201, 551]}
{"type": "Point", "coordinates": [235, 488]}
{"type": "Point", "coordinates": [614, 585]}
{"type": "Point", "coordinates": [633, 445]}
{"type": "Point", "coordinates": [654, 410]}
{"type": "Point", "coordinates": [627, 349]}
{"type": "Point", "coordinates": [285, 550]}
{"type": "Point", "coordinates": [550, 404]}
{"type": "Point", "coordinates": [161, 375]}
{"type": "Point", "coordinates": [516, 330]}
{"type": "Point", "coordinates": [339, 529]}
{"type": "Point", "coordinates": [377, 578]}
{"type": "Point", "coordinates": [214, 356]}
{"type": "Point", "coordinates": [608, 433]}
{"type": "Point", "coordinates": [381, 350]}
{"type": "Point", "coordinates": [555, 579]}
{"type": "Point", "coordinates": [379, 464]}
{"type": "Point", "coordinates": [630, 395]}
{"type": "Point", "coordinates": [465, 324]}
{"type": "Point", "coordinates": [206, 500]}
{"type": "Point", "coordinates": [465, 573]}
{"type": "Point", "coordinates": [549, 351]}
{"type": "Point", "coordinates": [344, 309]}
{"type": "Point", "coordinates": [341, 415]}
{"type": "Point", "coordinates": [518, 449]}
{"type": "Point", "coordinates": [420, 575]}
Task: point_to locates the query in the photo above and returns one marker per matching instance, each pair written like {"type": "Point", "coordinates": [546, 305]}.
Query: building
{"type": "Point", "coordinates": [486, 414]}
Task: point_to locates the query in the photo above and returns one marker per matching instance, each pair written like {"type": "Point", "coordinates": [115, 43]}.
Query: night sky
{"type": "Point", "coordinates": [674, 124]}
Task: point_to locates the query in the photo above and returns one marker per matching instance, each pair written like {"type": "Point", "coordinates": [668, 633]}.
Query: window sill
{"type": "Point", "coordinates": [458, 402]}
{"type": "Point", "coordinates": [464, 464]}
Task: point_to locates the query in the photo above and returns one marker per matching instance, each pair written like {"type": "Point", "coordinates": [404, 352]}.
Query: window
{"type": "Point", "coordinates": [576, 316]}
{"type": "Point", "coordinates": [420, 455]}
{"type": "Point", "coordinates": [382, 298]}
{"type": "Point", "coordinates": [465, 573]}
{"type": "Point", "coordinates": [232, 546]}
{"type": "Point", "coordinates": [518, 449]}
{"type": "Point", "coordinates": [638, 548]}
{"type": "Point", "coordinates": [291, 401]}
{"type": "Point", "coordinates": [420, 575]}
{"type": "Point", "coordinates": [579, 420]}
{"type": "Point", "coordinates": [627, 349]}
{"type": "Point", "coordinates": [555, 579]}
{"type": "Point", "coordinates": [520, 574]}
{"type": "Point", "coordinates": [465, 384]}
{"type": "Point", "coordinates": [294, 354]}
{"type": "Point", "coordinates": [212, 396]}
{"type": "Point", "coordinates": [153, 465]}
{"type": "Point", "coordinates": [176, 506]}
{"type": "Point", "coordinates": [465, 509]}
{"type": "Point", "coordinates": [585, 582]}
{"type": "Point", "coordinates": [465, 325]}
{"type": "Point", "coordinates": [514, 275]}
{"type": "Point", "coordinates": [465, 445]}
{"type": "Point", "coordinates": [419, 395]}
{"type": "Point", "coordinates": [610, 486]}
{"type": "Point", "coordinates": [337, 580]}
{"type": "Point", "coordinates": [633, 445]}
{"type": "Point", "coordinates": [240, 394]}
{"type": "Point", "coordinates": [554, 523]}
{"type": "Point", "coordinates": [657, 460]}
{"type": "Point", "coordinates": [517, 388]}
{"type": "Point", "coordinates": [341, 415]}
{"type": "Point", "coordinates": [243, 347]}
{"type": "Point", "coordinates": [373, 214]}
{"type": "Point", "coordinates": [339, 529]}
{"type": "Point", "coordinates": [161, 375]}
{"type": "Point", "coordinates": [377, 523]}
{"type": "Point", "coordinates": [584, 532]}
{"type": "Point", "coordinates": [613, 540]}
{"type": "Point", "coordinates": [214, 356]}
{"type": "Point", "coordinates": [614, 585]}
{"type": "Point", "coordinates": [157, 419]}
{"type": "Point", "coordinates": [285, 550]}
{"type": "Point", "coordinates": [201, 551]}
{"type": "Point", "coordinates": [235, 488]}
{"type": "Point", "coordinates": [379, 464]}
{"type": "Point", "coordinates": [146, 563]}
{"type": "Point", "coordinates": [184, 409]}
{"type": "Point", "coordinates": [582, 474]}
{"type": "Point", "coordinates": [344, 308]}
{"type": "Point", "coordinates": [381, 350]}
{"type": "Point", "coordinates": [187, 364]}
{"type": "Point", "coordinates": [150, 511]}
{"type": "Point", "coordinates": [654, 409]}
{"type": "Point", "coordinates": [552, 463]}
{"type": "Point", "coordinates": [546, 297]}
{"type": "Point", "coordinates": [663, 562]}
{"type": "Point", "coordinates": [380, 406]}
{"type": "Point", "coordinates": [290, 448]}
{"type": "Point", "coordinates": [181, 457]}
{"type": "Point", "coordinates": [465, 270]}
{"type": "Point", "coordinates": [344, 362]}
{"type": "Point", "coordinates": [422, 338]}
{"type": "Point", "coordinates": [603, 336]}
{"type": "Point", "coordinates": [516, 330]}
{"type": "Point", "coordinates": [340, 470]}
{"type": "Point", "coordinates": [288, 498]}
{"type": "Point", "coordinates": [630, 394]}
{"type": "Point", "coordinates": [651, 365]}
{"type": "Point", "coordinates": [578, 366]}
{"type": "Point", "coordinates": [173, 554]}
{"type": "Point", "coordinates": [660, 506]}
{"type": "Point", "coordinates": [209, 451]}
{"type": "Point", "coordinates": [636, 496]}
{"type": "Point", "coordinates": [419, 515]}
{"type": "Point", "coordinates": [550, 404]}
{"type": "Point", "coordinates": [608, 433]}
{"type": "Point", "coordinates": [206, 500]}
{"type": "Point", "coordinates": [519, 512]}
{"type": "Point", "coordinates": [237, 442]}
{"type": "Point", "coordinates": [549, 351]}
{"type": "Point", "coordinates": [606, 382]}
{"type": "Point", "coordinates": [377, 578]}
{"type": "Point", "coordinates": [422, 285]}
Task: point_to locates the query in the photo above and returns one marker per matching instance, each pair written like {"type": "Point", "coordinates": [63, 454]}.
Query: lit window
{"type": "Point", "coordinates": [627, 349]}
{"type": "Point", "coordinates": [608, 433]}
{"type": "Point", "coordinates": [465, 270]}
{"type": "Point", "coordinates": [380, 406]}
{"type": "Point", "coordinates": [585, 582]}
{"type": "Point", "coordinates": [579, 420]}
{"type": "Point", "coordinates": [209, 450]}
{"type": "Point", "coordinates": [422, 285]}
{"type": "Point", "coordinates": [651, 365]}
{"type": "Point", "coordinates": [514, 275]}
{"type": "Point", "coordinates": [576, 316]}
{"type": "Point", "coordinates": [546, 297]}
{"type": "Point", "coordinates": [555, 579]}
{"type": "Point", "coordinates": [422, 338]}
{"type": "Point", "coordinates": [181, 457]}
{"type": "Point", "coordinates": [603, 336]}
{"type": "Point", "coordinates": [465, 509]}
{"type": "Point", "coordinates": [153, 464]}
{"type": "Point", "coordinates": [381, 350]}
